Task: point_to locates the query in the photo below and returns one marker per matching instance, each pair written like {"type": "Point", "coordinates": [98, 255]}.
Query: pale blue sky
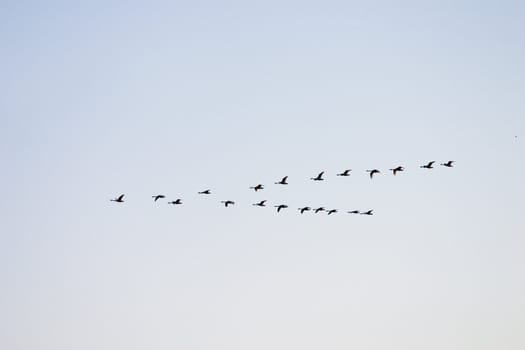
{"type": "Point", "coordinates": [141, 98]}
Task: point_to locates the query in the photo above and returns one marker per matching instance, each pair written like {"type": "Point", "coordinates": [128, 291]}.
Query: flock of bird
{"type": "Point", "coordinates": [284, 181]}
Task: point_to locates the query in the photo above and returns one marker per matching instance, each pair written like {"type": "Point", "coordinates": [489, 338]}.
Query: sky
{"type": "Point", "coordinates": [107, 97]}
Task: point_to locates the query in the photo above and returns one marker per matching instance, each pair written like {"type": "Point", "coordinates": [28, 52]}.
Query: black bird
{"type": "Point", "coordinates": [345, 173]}
{"type": "Point", "coordinates": [319, 177]}
{"type": "Point", "coordinates": [369, 212]}
{"type": "Point", "coordinates": [281, 206]}
{"type": "Point", "coordinates": [119, 199]}
{"type": "Point", "coordinates": [332, 211]}
{"type": "Point", "coordinates": [157, 197]}
{"type": "Point", "coordinates": [449, 164]}
{"type": "Point", "coordinates": [261, 203]}
{"type": "Point", "coordinates": [178, 201]}
{"type": "Point", "coordinates": [303, 209]}
{"type": "Point", "coordinates": [396, 169]}
{"type": "Point", "coordinates": [353, 212]}
{"type": "Point", "coordinates": [319, 209]}
{"type": "Point", "coordinates": [257, 188]}
{"type": "Point", "coordinates": [372, 172]}
{"type": "Point", "coordinates": [205, 192]}
{"type": "Point", "coordinates": [283, 181]}
{"type": "Point", "coordinates": [226, 203]}
{"type": "Point", "coordinates": [429, 165]}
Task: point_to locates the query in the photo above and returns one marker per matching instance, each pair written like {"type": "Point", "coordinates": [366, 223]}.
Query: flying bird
{"type": "Point", "coordinates": [369, 212]}
{"type": "Point", "coordinates": [257, 188]}
{"type": "Point", "coordinates": [319, 209]}
{"type": "Point", "coordinates": [319, 177]}
{"type": "Point", "coordinates": [281, 206]}
{"type": "Point", "coordinates": [119, 199]}
{"type": "Point", "coordinates": [261, 203]}
{"type": "Point", "coordinates": [331, 211]}
{"type": "Point", "coordinates": [397, 169]}
{"type": "Point", "coordinates": [345, 173]}
{"type": "Point", "coordinates": [353, 212]}
{"type": "Point", "coordinates": [157, 197]}
{"type": "Point", "coordinates": [449, 164]}
{"type": "Point", "coordinates": [283, 181]}
{"type": "Point", "coordinates": [226, 203]}
{"type": "Point", "coordinates": [178, 201]}
{"type": "Point", "coordinates": [205, 192]}
{"type": "Point", "coordinates": [429, 165]}
{"type": "Point", "coordinates": [303, 209]}
{"type": "Point", "coordinates": [372, 172]}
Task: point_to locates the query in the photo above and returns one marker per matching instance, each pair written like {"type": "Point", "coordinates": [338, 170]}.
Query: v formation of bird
{"type": "Point", "coordinates": [284, 181]}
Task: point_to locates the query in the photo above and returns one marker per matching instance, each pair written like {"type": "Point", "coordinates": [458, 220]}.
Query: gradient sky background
{"type": "Point", "coordinates": [141, 98]}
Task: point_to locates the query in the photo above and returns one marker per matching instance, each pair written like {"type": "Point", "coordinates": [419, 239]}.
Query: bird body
{"type": "Point", "coordinates": [176, 202]}
{"type": "Point", "coordinates": [119, 199]}
{"type": "Point", "coordinates": [257, 188]}
{"type": "Point", "coordinates": [353, 212]}
{"type": "Point", "coordinates": [428, 165]}
{"type": "Point", "coordinates": [331, 211]}
{"type": "Point", "coordinates": [280, 207]}
{"type": "Point", "coordinates": [345, 173]}
{"type": "Point", "coordinates": [303, 209]}
{"type": "Point", "coordinates": [227, 203]}
{"type": "Point", "coordinates": [369, 212]}
{"type": "Point", "coordinates": [283, 181]}
{"type": "Point", "coordinates": [449, 164]}
{"type": "Point", "coordinates": [205, 192]}
{"type": "Point", "coordinates": [372, 172]}
{"type": "Point", "coordinates": [260, 204]}
{"type": "Point", "coordinates": [319, 177]}
{"type": "Point", "coordinates": [397, 169]}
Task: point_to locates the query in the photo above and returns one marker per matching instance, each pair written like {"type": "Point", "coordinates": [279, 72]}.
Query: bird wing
{"type": "Point", "coordinates": [120, 197]}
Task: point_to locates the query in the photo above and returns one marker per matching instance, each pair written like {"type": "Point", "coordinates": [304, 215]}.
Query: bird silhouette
{"type": "Point", "coordinates": [226, 203]}
{"type": "Point", "coordinates": [281, 206]}
{"type": "Point", "coordinates": [176, 202]}
{"type": "Point", "coordinates": [397, 169]}
{"type": "Point", "coordinates": [331, 211]}
{"type": "Point", "coordinates": [353, 212]}
{"type": "Point", "coordinates": [345, 173]}
{"type": "Point", "coordinates": [257, 188]}
{"type": "Point", "coordinates": [429, 165]}
{"type": "Point", "coordinates": [119, 199]}
{"type": "Point", "coordinates": [319, 177]}
{"type": "Point", "coordinates": [157, 197]}
{"type": "Point", "coordinates": [372, 172]}
{"type": "Point", "coordinates": [205, 192]}
{"type": "Point", "coordinates": [303, 209]}
{"type": "Point", "coordinates": [283, 181]}
{"type": "Point", "coordinates": [449, 164]}
{"type": "Point", "coordinates": [317, 210]}
{"type": "Point", "coordinates": [369, 212]}
{"type": "Point", "coordinates": [261, 203]}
